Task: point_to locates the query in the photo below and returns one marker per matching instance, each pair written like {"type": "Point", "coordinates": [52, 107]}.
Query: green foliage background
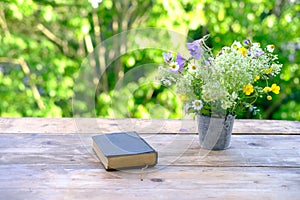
{"type": "Point", "coordinates": [43, 43]}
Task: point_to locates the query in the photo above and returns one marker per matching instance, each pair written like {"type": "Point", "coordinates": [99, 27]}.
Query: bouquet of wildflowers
{"type": "Point", "coordinates": [232, 80]}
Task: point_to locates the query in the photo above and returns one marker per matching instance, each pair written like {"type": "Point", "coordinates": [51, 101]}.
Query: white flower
{"type": "Point", "coordinates": [226, 104]}
{"type": "Point", "coordinates": [174, 67]}
{"type": "Point", "coordinates": [236, 45]}
{"type": "Point", "coordinates": [270, 48]}
{"type": "Point", "coordinates": [197, 104]}
{"type": "Point", "coordinates": [256, 44]}
{"type": "Point", "coordinates": [192, 67]}
{"type": "Point", "coordinates": [234, 95]}
{"type": "Point", "coordinates": [276, 68]}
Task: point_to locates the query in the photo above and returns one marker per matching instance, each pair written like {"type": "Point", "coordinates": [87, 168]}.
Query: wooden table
{"type": "Point", "coordinates": [53, 159]}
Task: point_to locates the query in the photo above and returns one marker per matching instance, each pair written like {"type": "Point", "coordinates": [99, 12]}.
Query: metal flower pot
{"type": "Point", "coordinates": [215, 133]}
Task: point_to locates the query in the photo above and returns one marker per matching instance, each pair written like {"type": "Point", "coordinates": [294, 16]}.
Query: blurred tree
{"type": "Point", "coordinates": [40, 51]}
{"type": "Point", "coordinates": [43, 45]}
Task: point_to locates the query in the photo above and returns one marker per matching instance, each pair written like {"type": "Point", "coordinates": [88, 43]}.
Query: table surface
{"type": "Point", "coordinates": [53, 159]}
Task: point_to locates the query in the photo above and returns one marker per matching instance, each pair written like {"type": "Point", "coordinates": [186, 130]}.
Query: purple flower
{"type": "Point", "coordinates": [168, 57]}
{"type": "Point", "coordinates": [255, 53]}
{"type": "Point", "coordinates": [181, 61]}
{"type": "Point", "coordinates": [258, 53]}
{"type": "Point", "coordinates": [247, 42]}
{"type": "Point", "coordinates": [194, 49]}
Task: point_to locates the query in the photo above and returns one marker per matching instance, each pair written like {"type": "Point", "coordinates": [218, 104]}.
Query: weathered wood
{"type": "Point", "coordinates": [177, 150]}
{"type": "Point", "coordinates": [138, 194]}
{"type": "Point", "coordinates": [87, 182]}
{"type": "Point", "coordinates": [88, 125]}
{"type": "Point", "coordinates": [89, 176]}
{"type": "Point", "coordinates": [45, 159]}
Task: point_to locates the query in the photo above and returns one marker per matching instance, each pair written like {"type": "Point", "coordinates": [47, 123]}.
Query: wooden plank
{"type": "Point", "coordinates": [49, 162]}
{"type": "Point", "coordinates": [181, 150]}
{"type": "Point", "coordinates": [63, 166]}
{"type": "Point", "coordinates": [144, 194]}
{"type": "Point", "coordinates": [90, 182]}
{"type": "Point", "coordinates": [84, 140]}
{"type": "Point", "coordinates": [97, 125]}
{"type": "Point", "coordinates": [87, 176]}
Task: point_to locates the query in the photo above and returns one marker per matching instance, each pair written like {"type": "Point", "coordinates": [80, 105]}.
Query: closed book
{"type": "Point", "coordinates": [123, 150]}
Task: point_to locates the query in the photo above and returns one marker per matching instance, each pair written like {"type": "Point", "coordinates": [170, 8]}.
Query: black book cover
{"type": "Point", "coordinates": [125, 149]}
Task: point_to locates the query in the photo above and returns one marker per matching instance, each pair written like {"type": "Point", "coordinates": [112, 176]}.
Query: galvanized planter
{"type": "Point", "coordinates": [215, 133]}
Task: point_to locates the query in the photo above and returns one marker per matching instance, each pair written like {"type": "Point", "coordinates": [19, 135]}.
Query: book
{"type": "Point", "coordinates": [123, 150]}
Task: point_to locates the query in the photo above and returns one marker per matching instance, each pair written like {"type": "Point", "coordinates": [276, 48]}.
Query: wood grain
{"type": "Point", "coordinates": [87, 182]}
{"type": "Point", "coordinates": [140, 194]}
{"type": "Point", "coordinates": [180, 150]}
{"type": "Point", "coordinates": [93, 125]}
{"type": "Point", "coordinates": [50, 159]}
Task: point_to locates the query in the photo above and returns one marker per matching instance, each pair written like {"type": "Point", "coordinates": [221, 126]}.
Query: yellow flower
{"type": "Point", "coordinates": [256, 78]}
{"type": "Point", "coordinates": [248, 89]}
{"type": "Point", "coordinates": [269, 70]}
{"type": "Point", "coordinates": [243, 51]}
{"type": "Point", "coordinates": [269, 97]}
{"type": "Point", "coordinates": [267, 89]}
{"type": "Point", "coordinates": [183, 97]}
{"type": "Point", "coordinates": [275, 88]}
